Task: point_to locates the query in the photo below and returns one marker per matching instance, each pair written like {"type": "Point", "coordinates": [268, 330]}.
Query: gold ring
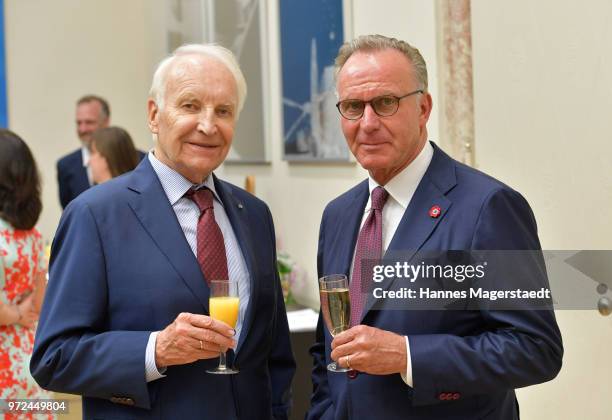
{"type": "Point", "coordinates": [348, 361]}
{"type": "Point", "coordinates": [201, 345]}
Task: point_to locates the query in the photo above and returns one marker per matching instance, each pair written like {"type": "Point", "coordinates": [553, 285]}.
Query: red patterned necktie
{"type": "Point", "coordinates": [211, 247]}
{"type": "Point", "coordinates": [367, 253]}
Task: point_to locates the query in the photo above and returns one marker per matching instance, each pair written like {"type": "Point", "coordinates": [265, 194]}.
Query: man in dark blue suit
{"type": "Point", "coordinates": [73, 172]}
{"type": "Point", "coordinates": [73, 177]}
{"type": "Point", "coordinates": [125, 321]}
{"type": "Point", "coordinates": [419, 364]}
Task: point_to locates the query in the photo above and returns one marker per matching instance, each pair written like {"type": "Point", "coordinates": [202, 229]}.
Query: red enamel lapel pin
{"type": "Point", "coordinates": [435, 211]}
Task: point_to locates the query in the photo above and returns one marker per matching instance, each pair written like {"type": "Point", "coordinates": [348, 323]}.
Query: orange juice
{"type": "Point", "coordinates": [225, 309]}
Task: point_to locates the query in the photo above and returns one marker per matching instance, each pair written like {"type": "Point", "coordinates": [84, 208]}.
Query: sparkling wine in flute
{"type": "Point", "coordinates": [335, 308]}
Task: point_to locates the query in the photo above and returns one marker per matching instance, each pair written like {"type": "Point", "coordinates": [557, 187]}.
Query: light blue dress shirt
{"type": "Point", "coordinates": [187, 212]}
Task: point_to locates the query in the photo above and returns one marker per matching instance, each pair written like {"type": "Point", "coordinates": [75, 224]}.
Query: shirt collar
{"type": "Point", "coordinates": [176, 185]}
{"type": "Point", "coordinates": [403, 185]}
{"type": "Point", "coordinates": [85, 155]}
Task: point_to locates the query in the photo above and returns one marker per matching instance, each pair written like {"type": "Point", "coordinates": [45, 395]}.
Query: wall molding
{"type": "Point", "coordinates": [454, 39]}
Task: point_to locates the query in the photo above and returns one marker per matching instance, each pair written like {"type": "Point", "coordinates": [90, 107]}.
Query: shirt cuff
{"type": "Point", "coordinates": [407, 377]}
{"type": "Point", "coordinates": [151, 371]}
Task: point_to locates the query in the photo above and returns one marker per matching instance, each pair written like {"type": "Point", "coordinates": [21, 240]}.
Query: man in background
{"type": "Point", "coordinates": [73, 172]}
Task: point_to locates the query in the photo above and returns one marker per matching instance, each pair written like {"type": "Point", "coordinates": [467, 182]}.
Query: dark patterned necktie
{"type": "Point", "coordinates": [367, 253]}
{"type": "Point", "coordinates": [210, 245]}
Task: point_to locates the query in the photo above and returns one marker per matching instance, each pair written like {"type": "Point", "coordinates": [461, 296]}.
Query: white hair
{"type": "Point", "coordinates": [221, 54]}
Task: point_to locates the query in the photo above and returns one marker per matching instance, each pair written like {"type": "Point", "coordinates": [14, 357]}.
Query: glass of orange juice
{"type": "Point", "coordinates": [223, 305]}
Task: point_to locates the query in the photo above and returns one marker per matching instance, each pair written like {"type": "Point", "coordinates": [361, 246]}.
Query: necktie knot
{"type": "Point", "coordinates": [202, 197]}
{"type": "Point", "coordinates": [379, 198]}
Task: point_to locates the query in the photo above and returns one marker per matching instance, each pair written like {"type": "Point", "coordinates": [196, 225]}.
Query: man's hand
{"type": "Point", "coordinates": [370, 350]}
{"type": "Point", "coordinates": [192, 337]}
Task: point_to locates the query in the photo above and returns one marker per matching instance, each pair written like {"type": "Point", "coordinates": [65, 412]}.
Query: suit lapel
{"type": "Point", "coordinates": [151, 206]}
{"type": "Point", "coordinates": [81, 181]}
{"type": "Point", "coordinates": [237, 215]}
{"type": "Point", "coordinates": [417, 224]}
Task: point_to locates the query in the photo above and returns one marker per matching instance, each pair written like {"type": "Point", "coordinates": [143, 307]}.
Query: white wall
{"type": "Point", "coordinates": [543, 95]}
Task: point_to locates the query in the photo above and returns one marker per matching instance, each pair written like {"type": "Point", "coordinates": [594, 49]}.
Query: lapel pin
{"type": "Point", "coordinates": [240, 206]}
{"type": "Point", "coordinates": [434, 211]}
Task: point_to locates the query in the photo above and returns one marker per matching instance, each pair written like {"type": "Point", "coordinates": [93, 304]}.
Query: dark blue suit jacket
{"type": "Point", "coordinates": [479, 357]}
{"type": "Point", "coordinates": [121, 268]}
{"type": "Point", "coordinates": [72, 176]}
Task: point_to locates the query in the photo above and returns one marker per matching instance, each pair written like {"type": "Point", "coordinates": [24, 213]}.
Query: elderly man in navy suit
{"type": "Point", "coordinates": [419, 364]}
{"type": "Point", "coordinates": [73, 173]}
{"type": "Point", "coordinates": [125, 321]}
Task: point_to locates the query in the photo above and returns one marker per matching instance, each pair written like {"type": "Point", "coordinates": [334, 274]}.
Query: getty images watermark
{"type": "Point", "coordinates": [500, 280]}
{"type": "Point", "coordinates": [458, 273]}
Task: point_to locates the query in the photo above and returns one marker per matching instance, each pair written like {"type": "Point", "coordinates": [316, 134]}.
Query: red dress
{"type": "Point", "coordinates": [21, 260]}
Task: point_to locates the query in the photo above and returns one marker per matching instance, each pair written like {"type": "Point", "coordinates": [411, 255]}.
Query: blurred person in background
{"type": "Point", "coordinates": [22, 266]}
{"type": "Point", "coordinates": [73, 171]}
{"type": "Point", "coordinates": [112, 154]}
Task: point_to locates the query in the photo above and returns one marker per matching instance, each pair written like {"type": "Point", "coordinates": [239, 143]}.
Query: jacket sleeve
{"type": "Point", "coordinates": [517, 348]}
{"type": "Point", "coordinates": [74, 351]}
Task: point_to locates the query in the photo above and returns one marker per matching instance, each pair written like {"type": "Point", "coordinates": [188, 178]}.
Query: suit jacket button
{"type": "Point", "coordinates": [122, 400]}
{"type": "Point", "coordinates": [352, 374]}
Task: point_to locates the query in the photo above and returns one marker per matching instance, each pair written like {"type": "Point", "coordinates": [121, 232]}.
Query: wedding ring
{"type": "Point", "coordinates": [201, 345]}
{"type": "Point", "coordinates": [348, 361]}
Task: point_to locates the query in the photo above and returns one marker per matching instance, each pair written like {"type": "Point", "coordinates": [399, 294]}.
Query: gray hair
{"type": "Point", "coordinates": [217, 52]}
{"type": "Point", "coordinates": [104, 107]}
{"type": "Point", "coordinates": [381, 42]}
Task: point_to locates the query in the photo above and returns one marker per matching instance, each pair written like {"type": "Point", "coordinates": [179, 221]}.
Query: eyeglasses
{"type": "Point", "coordinates": [384, 106]}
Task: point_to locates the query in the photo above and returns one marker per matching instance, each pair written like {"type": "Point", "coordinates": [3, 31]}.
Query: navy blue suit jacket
{"type": "Point", "coordinates": [72, 176]}
{"type": "Point", "coordinates": [478, 357]}
{"type": "Point", "coordinates": [121, 268]}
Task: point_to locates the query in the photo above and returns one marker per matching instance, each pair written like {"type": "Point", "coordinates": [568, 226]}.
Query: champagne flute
{"type": "Point", "coordinates": [335, 307]}
{"type": "Point", "coordinates": [223, 305]}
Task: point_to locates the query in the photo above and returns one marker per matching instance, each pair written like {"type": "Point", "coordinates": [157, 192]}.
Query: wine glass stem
{"type": "Point", "coordinates": [222, 361]}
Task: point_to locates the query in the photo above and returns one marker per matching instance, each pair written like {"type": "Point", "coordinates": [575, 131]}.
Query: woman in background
{"type": "Point", "coordinates": [22, 267]}
{"type": "Point", "coordinates": [112, 154]}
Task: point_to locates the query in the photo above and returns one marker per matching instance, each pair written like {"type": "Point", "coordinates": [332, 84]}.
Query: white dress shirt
{"type": "Point", "coordinates": [187, 212]}
{"type": "Point", "coordinates": [401, 188]}
{"type": "Point", "coordinates": [86, 155]}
